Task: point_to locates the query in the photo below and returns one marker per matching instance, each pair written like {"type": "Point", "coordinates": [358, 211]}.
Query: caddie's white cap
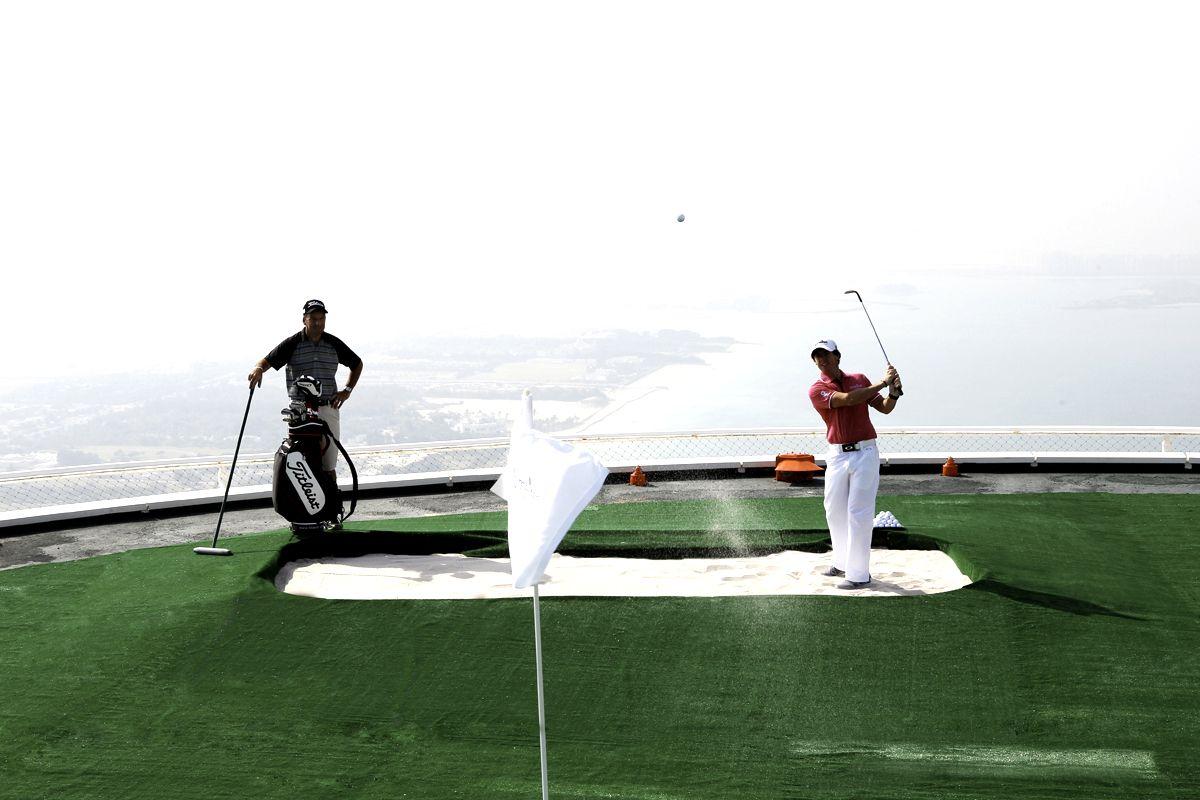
{"type": "Point", "coordinates": [824, 344]}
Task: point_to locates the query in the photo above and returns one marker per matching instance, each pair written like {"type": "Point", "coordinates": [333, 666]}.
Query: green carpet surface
{"type": "Point", "coordinates": [1069, 669]}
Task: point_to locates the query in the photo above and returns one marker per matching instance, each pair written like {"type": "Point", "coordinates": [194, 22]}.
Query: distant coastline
{"type": "Point", "coordinates": [434, 389]}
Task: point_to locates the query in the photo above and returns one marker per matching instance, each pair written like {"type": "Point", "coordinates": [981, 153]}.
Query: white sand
{"type": "Point", "coordinates": [458, 577]}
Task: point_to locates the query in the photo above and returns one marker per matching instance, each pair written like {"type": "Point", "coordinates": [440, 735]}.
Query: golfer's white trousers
{"type": "Point", "coordinates": [851, 482]}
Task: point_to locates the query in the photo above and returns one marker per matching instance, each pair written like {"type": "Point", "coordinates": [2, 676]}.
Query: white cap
{"type": "Point", "coordinates": [825, 344]}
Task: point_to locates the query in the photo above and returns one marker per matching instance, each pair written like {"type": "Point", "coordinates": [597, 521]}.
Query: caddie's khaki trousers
{"type": "Point", "coordinates": [333, 418]}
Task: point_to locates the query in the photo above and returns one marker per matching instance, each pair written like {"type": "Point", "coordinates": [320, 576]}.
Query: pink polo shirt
{"type": "Point", "coordinates": [848, 423]}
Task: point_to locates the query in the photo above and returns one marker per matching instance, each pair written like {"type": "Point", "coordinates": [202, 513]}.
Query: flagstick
{"type": "Point", "coordinates": [537, 646]}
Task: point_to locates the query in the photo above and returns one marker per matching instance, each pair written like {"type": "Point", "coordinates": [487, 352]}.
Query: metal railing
{"type": "Point", "coordinates": [47, 495]}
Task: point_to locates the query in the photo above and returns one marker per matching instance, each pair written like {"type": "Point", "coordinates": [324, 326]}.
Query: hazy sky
{"type": "Point", "coordinates": [176, 178]}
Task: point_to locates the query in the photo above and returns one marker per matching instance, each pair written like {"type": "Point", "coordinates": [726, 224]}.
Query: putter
{"type": "Point", "coordinates": [899, 393]}
{"type": "Point", "coordinates": [222, 551]}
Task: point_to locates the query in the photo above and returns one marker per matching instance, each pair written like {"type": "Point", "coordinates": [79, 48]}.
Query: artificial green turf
{"type": "Point", "coordinates": [1068, 670]}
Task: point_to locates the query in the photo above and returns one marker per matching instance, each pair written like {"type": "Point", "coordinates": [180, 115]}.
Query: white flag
{"type": "Point", "coordinates": [546, 483]}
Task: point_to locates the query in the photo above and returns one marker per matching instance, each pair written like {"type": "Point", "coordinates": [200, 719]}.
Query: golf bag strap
{"type": "Point", "coordinates": [353, 475]}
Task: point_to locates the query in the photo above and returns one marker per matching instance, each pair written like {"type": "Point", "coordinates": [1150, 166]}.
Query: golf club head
{"type": "Point", "coordinates": [856, 294]}
{"type": "Point", "coordinates": [308, 386]}
{"type": "Point", "coordinates": [211, 551]}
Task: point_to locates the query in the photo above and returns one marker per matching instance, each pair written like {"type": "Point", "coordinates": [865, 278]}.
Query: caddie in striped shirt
{"type": "Point", "coordinates": [314, 352]}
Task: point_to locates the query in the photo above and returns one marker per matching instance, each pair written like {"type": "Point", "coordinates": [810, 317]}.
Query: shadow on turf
{"type": "Point", "coordinates": [1054, 602]}
{"type": "Point", "coordinates": [650, 544]}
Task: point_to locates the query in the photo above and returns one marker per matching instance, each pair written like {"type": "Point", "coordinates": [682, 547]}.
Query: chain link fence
{"type": "Point", "coordinates": [117, 486]}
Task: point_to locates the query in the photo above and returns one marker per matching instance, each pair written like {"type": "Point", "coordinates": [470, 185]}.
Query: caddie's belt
{"type": "Point", "coordinates": [850, 447]}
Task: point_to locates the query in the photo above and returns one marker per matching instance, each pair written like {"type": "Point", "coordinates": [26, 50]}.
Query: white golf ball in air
{"type": "Point", "coordinates": [679, 218]}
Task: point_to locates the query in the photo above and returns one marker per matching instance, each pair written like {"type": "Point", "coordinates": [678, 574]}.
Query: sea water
{"type": "Point", "coordinates": [972, 351]}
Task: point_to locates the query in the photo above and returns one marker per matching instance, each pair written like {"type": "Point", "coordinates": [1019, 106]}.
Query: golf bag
{"type": "Point", "coordinates": [301, 491]}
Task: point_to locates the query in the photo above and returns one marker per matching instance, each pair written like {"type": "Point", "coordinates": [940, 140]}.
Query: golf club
{"type": "Point", "coordinates": [898, 392]}
{"type": "Point", "coordinates": [222, 551]}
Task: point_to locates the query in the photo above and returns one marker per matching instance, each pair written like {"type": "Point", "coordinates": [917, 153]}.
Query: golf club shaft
{"type": "Point", "coordinates": [872, 324]}
{"type": "Point", "coordinates": [236, 449]}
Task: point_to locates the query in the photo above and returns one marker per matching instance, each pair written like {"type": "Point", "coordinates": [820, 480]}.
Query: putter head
{"type": "Point", "coordinates": [212, 551]}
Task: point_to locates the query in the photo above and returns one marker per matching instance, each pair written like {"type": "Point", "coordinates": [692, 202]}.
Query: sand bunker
{"type": "Point", "coordinates": [458, 577]}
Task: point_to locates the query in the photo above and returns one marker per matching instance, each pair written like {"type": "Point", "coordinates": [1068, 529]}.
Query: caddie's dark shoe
{"type": "Point", "coordinates": [853, 584]}
{"type": "Point", "coordinates": [833, 572]}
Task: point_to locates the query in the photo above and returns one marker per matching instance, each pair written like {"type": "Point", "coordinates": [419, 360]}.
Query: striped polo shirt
{"type": "Point", "coordinates": [319, 359]}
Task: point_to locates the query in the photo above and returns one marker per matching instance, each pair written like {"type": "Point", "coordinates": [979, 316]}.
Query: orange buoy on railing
{"type": "Point", "coordinates": [793, 467]}
{"type": "Point", "coordinates": [637, 477]}
{"type": "Point", "coordinates": [950, 468]}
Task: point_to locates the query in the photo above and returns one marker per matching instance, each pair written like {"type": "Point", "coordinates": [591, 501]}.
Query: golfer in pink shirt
{"type": "Point", "coordinates": [852, 463]}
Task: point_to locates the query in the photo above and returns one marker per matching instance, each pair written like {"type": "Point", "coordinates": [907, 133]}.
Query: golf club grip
{"type": "Point", "coordinates": [893, 391]}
